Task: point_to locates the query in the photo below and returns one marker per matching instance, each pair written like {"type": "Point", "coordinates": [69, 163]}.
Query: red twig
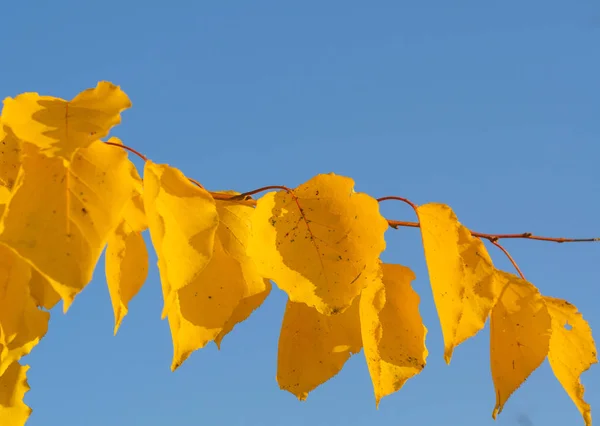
{"type": "Point", "coordinates": [142, 156]}
{"type": "Point", "coordinates": [509, 257]}
{"type": "Point", "coordinates": [246, 199]}
{"type": "Point", "coordinates": [404, 200]}
{"type": "Point", "coordinates": [495, 237]}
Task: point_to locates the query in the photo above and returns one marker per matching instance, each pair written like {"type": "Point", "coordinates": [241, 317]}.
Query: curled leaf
{"type": "Point", "coordinates": [519, 336]}
{"type": "Point", "coordinates": [572, 351]}
{"type": "Point", "coordinates": [461, 273]}
{"type": "Point", "coordinates": [393, 333]}
{"type": "Point", "coordinates": [319, 242]}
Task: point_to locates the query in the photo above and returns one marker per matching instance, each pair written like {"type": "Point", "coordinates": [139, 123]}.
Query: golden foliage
{"type": "Point", "coordinates": [461, 274]}
{"type": "Point", "coordinates": [319, 242]}
{"type": "Point", "coordinates": [393, 333]}
{"type": "Point", "coordinates": [572, 350]}
{"type": "Point", "coordinates": [66, 195]}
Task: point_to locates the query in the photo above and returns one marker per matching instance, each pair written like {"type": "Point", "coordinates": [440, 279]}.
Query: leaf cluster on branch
{"type": "Point", "coordinates": [66, 195]}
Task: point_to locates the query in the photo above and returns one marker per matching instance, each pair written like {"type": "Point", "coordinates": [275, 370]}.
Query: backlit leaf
{"type": "Point", "coordinates": [22, 324]}
{"type": "Point", "coordinates": [10, 163]}
{"type": "Point", "coordinates": [13, 386]}
{"type": "Point", "coordinates": [224, 293]}
{"type": "Point", "coordinates": [519, 336]}
{"type": "Point", "coordinates": [461, 274]}
{"type": "Point", "coordinates": [182, 219]}
{"type": "Point", "coordinates": [59, 218]}
{"type": "Point", "coordinates": [392, 330]}
{"type": "Point", "coordinates": [126, 259]}
{"type": "Point", "coordinates": [572, 350]}
{"type": "Point", "coordinates": [42, 291]}
{"type": "Point", "coordinates": [58, 127]}
{"type": "Point", "coordinates": [234, 233]}
{"type": "Point", "coordinates": [320, 243]}
{"type": "Point", "coordinates": [314, 347]}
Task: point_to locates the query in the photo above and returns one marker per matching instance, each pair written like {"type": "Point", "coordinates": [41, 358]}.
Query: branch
{"type": "Point", "coordinates": [246, 199]}
{"type": "Point", "coordinates": [495, 237]}
{"type": "Point", "coordinates": [497, 244]}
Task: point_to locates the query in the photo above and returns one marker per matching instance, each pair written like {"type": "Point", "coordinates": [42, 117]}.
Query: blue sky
{"type": "Point", "coordinates": [492, 109]}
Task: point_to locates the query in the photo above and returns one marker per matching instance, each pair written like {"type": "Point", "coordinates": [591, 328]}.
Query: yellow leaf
{"type": "Point", "coordinates": [13, 387]}
{"type": "Point", "coordinates": [234, 233]}
{"type": "Point", "coordinates": [22, 324]}
{"type": "Point", "coordinates": [519, 336]}
{"type": "Point", "coordinates": [320, 243]}
{"type": "Point", "coordinates": [58, 127]}
{"type": "Point", "coordinates": [224, 293]}
{"type": "Point", "coordinates": [572, 350]}
{"type": "Point", "coordinates": [182, 219]}
{"type": "Point", "coordinates": [42, 291]}
{"type": "Point", "coordinates": [59, 218]}
{"type": "Point", "coordinates": [126, 258]}
{"type": "Point", "coordinates": [242, 311]}
{"type": "Point", "coordinates": [461, 274]}
{"type": "Point", "coordinates": [314, 347]}
{"type": "Point", "coordinates": [393, 333]}
{"type": "Point", "coordinates": [10, 163]}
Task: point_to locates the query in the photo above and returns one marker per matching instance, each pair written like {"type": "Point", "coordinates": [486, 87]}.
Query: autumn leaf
{"type": "Point", "coordinates": [10, 163]}
{"type": "Point", "coordinates": [224, 293]}
{"type": "Point", "coordinates": [519, 335]}
{"type": "Point", "coordinates": [572, 350]}
{"type": "Point", "coordinates": [314, 347]}
{"type": "Point", "coordinates": [42, 291]}
{"type": "Point", "coordinates": [393, 333]}
{"type": "Point", "coordinates": [234, 233]}
{"type": "Point", "coordinates": [22, 324]}
{"type": "Point", "coordinates": [13, 387]}
{"type": "Point", "coordinates": [126, 258]}
{"type": "Point", "coordinates": [58, 127]}
{"type": "Point", "coordinates": [182, 219]}
{"type": "Point", "coordinates": [243, 310]}
{"type": "Point", "coordinates": [59, 218]}
{"type": "Point", "coordinates": [319, 242]}
{"type": "Point", "coordinates": [461, 274]}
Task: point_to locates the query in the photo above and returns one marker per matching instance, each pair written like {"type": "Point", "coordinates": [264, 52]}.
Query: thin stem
{"type": "Point", "coordinates": [264, 188]}
{"type": "Point", "coordinates": [495, 237]}
{"type": "Point", "coordinates": [246, 198]}
{"type": "Point", "coordinates": [509, 258]}
{"type": "Point", "coordinates": [142, 156]}
{"type": "Point", "coordinates": [404, 200]}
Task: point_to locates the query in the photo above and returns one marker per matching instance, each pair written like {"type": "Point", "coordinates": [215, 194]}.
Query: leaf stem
{"type": "Point", "coordinates": [495, 237]}
{"type": "Point", "coordinates": [497, 244]}
{"type": "Point", "coordinates": [245, 198]}
{"type": "Point", "coordinates": [142, 156]}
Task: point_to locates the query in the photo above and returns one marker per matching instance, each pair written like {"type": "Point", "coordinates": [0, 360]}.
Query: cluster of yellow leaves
{"type": "Point", "coordinates": [65, 196]}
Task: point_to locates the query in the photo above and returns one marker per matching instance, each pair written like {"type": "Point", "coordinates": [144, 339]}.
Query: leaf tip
{"type": "Point", "coordinates": [67, 302]}
{"type": "Point", "coordinates": [448, 355]}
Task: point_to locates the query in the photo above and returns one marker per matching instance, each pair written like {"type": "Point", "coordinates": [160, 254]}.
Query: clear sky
{"type": "Point", "coordinates": [492, 109]}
